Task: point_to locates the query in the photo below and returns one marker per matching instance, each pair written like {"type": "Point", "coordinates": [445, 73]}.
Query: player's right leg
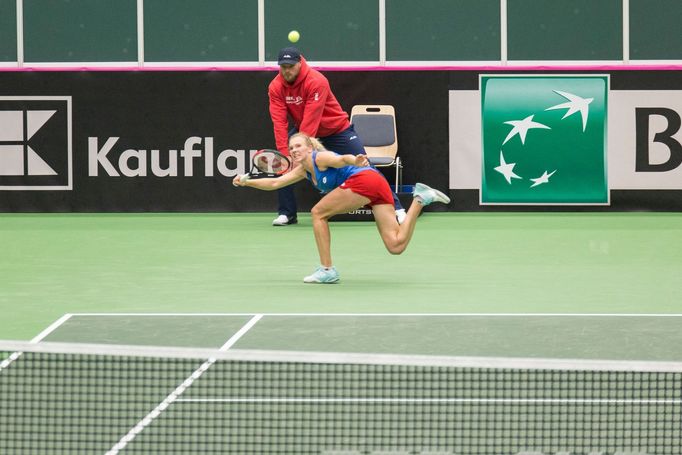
{"type": "Point", "coordinates": [397, 237]}
{"type": "Point", "coordinates": [427, 195]}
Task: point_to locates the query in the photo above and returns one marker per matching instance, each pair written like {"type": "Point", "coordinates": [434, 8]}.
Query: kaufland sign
{"type": "Point", "coordinates": [562, 140]}
{"type": "Point", "coordinates": [36, 135]}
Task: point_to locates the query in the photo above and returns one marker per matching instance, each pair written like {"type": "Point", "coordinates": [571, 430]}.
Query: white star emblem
{"type": "Point", "coordinates": [575, 104]}
{"type": "Point", "coordinates": [544, 178]}
{"type": "Point", "coordinates": [521, 127]}
{"type": "Point", "coordinates": [506, 169]}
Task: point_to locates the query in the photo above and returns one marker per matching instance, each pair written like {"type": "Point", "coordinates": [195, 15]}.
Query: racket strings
{"type": "Point", "coordinates": [271, 163]}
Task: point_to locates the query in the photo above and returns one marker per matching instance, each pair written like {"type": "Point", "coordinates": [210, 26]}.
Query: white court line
{"type": "Point", "coordinates": [627, 315]}
{"type": "Point", "coordinates": [42, 335]}
{"type": "Point", "coordinates": [179, 390]}
{"type": "Point", "coordinates": [37, 339]}
{"type": "Point", "coordinates": [431, 400]}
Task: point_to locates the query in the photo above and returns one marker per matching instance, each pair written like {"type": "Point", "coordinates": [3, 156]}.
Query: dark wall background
{"type": "Point", "coordinates": [160, 110]}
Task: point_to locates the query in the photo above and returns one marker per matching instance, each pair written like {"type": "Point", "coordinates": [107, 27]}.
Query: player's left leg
{"type": "Point", "coordinates": [336, 202]}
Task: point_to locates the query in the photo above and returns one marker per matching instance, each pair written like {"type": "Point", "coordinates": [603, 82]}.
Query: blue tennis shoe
{"type": "Point", "coordinates": [427, 195]}
{"type": "Point", "coordinates": [322, 275]}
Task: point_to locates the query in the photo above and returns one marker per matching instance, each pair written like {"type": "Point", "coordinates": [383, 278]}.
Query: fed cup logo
{"type": "Point", "coordinates": [35, 143]}
{"type": "Point", "coordinates": [544, 140]}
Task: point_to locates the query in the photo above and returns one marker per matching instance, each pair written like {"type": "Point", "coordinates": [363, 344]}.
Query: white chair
{"type": "Point", "coordinates": [375, 125]}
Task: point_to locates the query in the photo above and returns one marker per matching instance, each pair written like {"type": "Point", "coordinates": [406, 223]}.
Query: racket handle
{"type": "Point", "coordinates": [242, 179]}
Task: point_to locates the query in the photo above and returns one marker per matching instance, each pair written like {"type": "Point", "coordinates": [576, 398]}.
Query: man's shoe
{"type": "Point", "coordinates": [322, 275]}
{"type": "Point", "coordinates": [426, 195]}
{"type": "Point", "coordinates": [400, 215]}
{"type": "Point", "coordinates": [283, 220]}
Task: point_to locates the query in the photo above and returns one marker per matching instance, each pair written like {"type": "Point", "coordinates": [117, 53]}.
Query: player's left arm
{"type": "Point", "coordinates": [316, 98]}
{"type": "Point", "coordinates": [326, 160]}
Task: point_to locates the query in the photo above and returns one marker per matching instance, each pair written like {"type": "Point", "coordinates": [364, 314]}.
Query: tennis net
{"type": "Point", "coordinates": [58, 398]}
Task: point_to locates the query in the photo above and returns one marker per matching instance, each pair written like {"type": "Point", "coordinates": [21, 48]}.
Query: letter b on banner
{"type": "Point", "coordinates": [643, 117]}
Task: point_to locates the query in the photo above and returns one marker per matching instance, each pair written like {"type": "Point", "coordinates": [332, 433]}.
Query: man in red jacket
{"type": "Point", "coordinates": [303, 93]}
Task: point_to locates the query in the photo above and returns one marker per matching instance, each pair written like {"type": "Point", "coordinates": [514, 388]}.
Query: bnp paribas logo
{"type": "Point", "coordinates": [35, 143]}
{"type": "Point", "coordinates": [544, 140]}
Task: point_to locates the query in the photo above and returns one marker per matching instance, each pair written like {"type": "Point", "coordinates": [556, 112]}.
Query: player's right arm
{"type": "Point", "coordinates": [280, 121]}
{"type": "Point", "coordinates": [274, 183]}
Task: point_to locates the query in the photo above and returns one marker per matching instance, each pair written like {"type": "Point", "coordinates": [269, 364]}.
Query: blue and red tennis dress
{"type": "Point", "coordinates": [365, 181]}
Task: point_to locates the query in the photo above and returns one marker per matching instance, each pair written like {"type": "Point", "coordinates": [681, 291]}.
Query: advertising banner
{"type": "Point", "coordinates": [567, 140]}
{"type": "Point", "coordinates": [645, 139]}
{"type": "Point", "coordinates": [107, 141]}
{"type": "Point", "coordinates": [544, 139]}
{"type": "Point", "coordinates": [30, 128]}
{"type": "Point", "coordinates": [129, 141]}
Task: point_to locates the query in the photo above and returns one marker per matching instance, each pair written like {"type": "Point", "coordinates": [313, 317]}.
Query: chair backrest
{"type": "Point", "coordinates": [375, 125]}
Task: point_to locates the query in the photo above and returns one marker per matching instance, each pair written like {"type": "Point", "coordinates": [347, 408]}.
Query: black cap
{"type": "Point", "coordinates": [288, 56]}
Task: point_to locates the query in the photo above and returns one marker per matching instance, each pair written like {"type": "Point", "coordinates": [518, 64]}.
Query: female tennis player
{"type": "Point", "coordinates": [349, 183]}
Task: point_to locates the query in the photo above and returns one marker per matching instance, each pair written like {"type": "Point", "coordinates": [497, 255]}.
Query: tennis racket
{"type": "Point", "coordinates": [267, 163]}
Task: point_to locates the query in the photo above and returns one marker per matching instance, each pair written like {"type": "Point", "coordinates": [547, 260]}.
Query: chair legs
{"type": "Point", "coordinates": [398, 173]}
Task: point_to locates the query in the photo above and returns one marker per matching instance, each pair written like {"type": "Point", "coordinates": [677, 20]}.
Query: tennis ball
{"type": "Point", "coordinates": [294, 36]}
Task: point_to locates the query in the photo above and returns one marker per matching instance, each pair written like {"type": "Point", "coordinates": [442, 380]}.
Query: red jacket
{"type": "Point", "coordinates": [311, 104]}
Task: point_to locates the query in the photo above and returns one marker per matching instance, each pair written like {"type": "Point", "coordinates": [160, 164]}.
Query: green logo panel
{"type": "Point", "coordinates": [544, 140]}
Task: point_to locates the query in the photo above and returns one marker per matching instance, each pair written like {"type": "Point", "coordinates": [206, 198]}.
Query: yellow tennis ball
{"type": "Point", "coordinates": [294, 36]}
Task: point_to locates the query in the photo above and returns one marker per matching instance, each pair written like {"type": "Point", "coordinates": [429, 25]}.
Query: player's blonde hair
{"type": "Point", "coordinates": [311, 141]}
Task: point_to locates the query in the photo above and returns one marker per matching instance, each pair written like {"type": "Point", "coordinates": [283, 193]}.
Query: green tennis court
{"type": "Point", "coordinates": [55, 264]}
{"type": "Point", "coordinates": [567, 287]}
{"type": "Point", "coordinates": [567, 336]}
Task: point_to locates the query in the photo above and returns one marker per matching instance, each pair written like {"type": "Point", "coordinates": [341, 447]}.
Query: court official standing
{"type": "Point", "coordinates": [303, 94]}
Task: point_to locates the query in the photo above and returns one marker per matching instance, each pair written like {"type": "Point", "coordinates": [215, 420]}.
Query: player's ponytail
{"type": "Point", "coordinates": [317, 145]}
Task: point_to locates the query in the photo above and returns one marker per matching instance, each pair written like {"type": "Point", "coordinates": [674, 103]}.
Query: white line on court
{"type": "Point", "coordinates": [627, 315]}
{"type": "Point", "coordinates": [179, 390]}
{"type": "Point", "coordinates": [42, 335]}
{"type": "Point", "coordinates": [431, 400]}
{"type": "Point", "coordinates": [37, 339]}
